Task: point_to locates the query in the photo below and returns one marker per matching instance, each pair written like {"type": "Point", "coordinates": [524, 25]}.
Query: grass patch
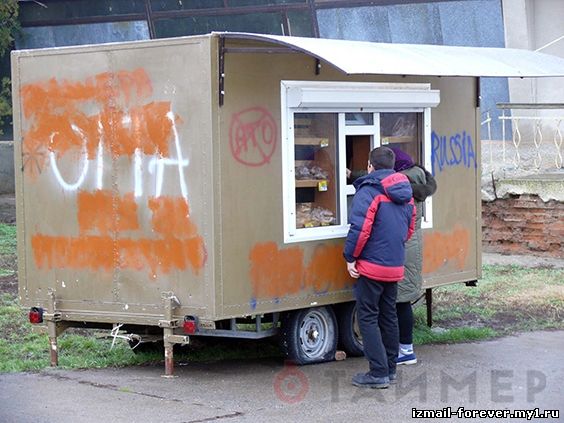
{"type": "Point", "coordinates": [422, 334]}
{"type": "Point", "coordinates": [426, 335]}
{"type": "Point", "coordinates": [23, 350]}
{"type": "Point", "coordinates": [8, 250]}
{"type": "Point", "coordinates": [508, 299]}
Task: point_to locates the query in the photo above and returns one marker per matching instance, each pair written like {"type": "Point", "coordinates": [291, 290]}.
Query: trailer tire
{"type": "Point", "coordinates": [350, 339]}
{"type": "Point", "coordinates": [309, 335]}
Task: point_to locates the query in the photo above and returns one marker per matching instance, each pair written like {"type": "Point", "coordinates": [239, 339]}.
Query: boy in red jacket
{"type": "Point", "coordinates": [382, 219]}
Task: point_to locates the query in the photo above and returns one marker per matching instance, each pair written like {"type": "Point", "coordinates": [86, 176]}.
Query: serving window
{"type": "Point", "coordinates": [328, 131]}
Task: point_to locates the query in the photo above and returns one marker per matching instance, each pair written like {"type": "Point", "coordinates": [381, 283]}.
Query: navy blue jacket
{"type": "Point", "coordinates": [382, 219]}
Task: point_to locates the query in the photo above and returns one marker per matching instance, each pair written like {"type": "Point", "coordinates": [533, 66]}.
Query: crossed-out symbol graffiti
{"type": "Point", "coordinates": [252, 136]}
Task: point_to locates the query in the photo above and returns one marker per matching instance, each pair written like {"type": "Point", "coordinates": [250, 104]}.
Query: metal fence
{"type": "Point", "coordinates": [532, 138]}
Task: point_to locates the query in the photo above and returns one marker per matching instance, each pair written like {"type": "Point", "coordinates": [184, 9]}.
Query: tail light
{"type": "Point", "coordinates": [190, 326]}
{"type": "Point", "coordinates": [36, 315]}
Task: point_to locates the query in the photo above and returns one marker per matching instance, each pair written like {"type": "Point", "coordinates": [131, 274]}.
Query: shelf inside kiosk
{"type": "Point", "coordinates": [315, 161]}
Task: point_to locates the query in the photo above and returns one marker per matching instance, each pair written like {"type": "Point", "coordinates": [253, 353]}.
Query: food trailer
{"type": "Point", "coordinates": [197, 186]}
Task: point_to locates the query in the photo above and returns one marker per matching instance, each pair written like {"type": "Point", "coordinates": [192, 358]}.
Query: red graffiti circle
{"type": "Point", "coordinates": [290, 385]}
{"type": "Point", "coordinates": [252, 136]}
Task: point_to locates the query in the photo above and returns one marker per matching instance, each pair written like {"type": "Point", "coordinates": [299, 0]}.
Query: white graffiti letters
{"type": "Point", "coordinates": [155, 165]}
{"type": "Point", "coordinates": [57, 173]}
{"type": "Point", "coordinates": [179, 162]}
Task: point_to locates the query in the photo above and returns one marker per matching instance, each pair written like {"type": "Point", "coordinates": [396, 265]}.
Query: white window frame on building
{"type": "Point", "coordinates": [340, 98]}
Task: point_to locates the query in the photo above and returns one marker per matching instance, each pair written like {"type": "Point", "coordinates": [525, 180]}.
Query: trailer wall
{"type": "Point", "coordinates": [114, 182]}
{"type": "Point", "coordinates": [260, 272]}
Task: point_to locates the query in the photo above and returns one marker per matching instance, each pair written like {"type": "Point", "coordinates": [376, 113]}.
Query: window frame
{"type": "Point", "coordinates": [341, 98]}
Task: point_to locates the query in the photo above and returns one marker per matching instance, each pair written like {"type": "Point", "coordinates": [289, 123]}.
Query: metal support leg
{"type": "Point", "coordinates": [168, 346]}
{"type": "Point", "coordinates": [168, 325]}
{"type": "Point", "coordinates": [169, 354]}
{"type": "Point", "coordinates": [53, 348]}
{"type": "Point", "coordinates": [429, 302]}
{"type": "Point", "coordinates": [52, 330]}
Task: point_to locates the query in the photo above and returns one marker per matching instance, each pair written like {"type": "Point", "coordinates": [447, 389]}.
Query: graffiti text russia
{"type": "Point", "coordinates": [451, 151]}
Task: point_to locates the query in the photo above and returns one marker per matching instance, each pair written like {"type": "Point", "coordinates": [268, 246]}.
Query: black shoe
{"type": "Point", "coordinates": [366, 380]}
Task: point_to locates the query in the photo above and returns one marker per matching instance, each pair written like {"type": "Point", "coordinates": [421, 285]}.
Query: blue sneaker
{"type": "Point", "coordinates": [407, 359]}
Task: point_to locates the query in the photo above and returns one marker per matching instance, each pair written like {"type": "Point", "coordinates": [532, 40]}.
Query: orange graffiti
{"type": "Point", "coordinates": [327, 270]}
{"type": "Point", "coordinates": [277, 273]}
{"type": "Point", "coordinates": [178, 247]}
{"type": "Point", "coordinates": [111, 113]}
{"type": "Point", "coordinates": [102, 88]}
{"type": "Point", "coordinates": [109, 108]}
{"type": "Point", "coordinates": [59, 252]}
{"type": "Point", "coordinates": [442, 248]}
{"type": "Point", "coordinates": [163, 254]}
{"type": "Point", "coordinates": [171, 217]}
{"type": "Point", "coordinates": [106, 212]}
{"type": "Point", "coordinates": [105, 253]}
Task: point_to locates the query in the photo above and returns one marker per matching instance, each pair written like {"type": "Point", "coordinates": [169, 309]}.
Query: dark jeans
{"type": "Point", "coordinates": [405, 322]}
{"type": "Point", "coordinates": [378, 323]}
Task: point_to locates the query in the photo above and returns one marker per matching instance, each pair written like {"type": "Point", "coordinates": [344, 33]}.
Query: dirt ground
{"type": "Point", "coordinates": [7, 209]}
{"type": "Point", "coordinates": [9, 284]}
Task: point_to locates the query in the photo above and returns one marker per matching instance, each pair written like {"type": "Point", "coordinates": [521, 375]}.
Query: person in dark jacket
{"type": "Point", "coordinates": [382, 219]}
{"type": "Point", "coordinates": [409, 289]}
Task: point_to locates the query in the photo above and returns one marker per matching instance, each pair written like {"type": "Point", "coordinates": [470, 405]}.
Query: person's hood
{"type": "Point", "coordinates": [422, 191]}
{"type": "Point", "coordinates": [395, 185]}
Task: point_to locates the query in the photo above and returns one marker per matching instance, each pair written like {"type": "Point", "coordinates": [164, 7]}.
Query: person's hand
{"type": "Point", "coordinates": [351, 267]}
{"type": "Point", "coordinates": [349, 173]}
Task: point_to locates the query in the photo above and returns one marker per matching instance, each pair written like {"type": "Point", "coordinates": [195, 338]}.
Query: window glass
{"type": "Point", "coordinates": [57, 10]}
{"type": "Point", "coordinates": [355, 23]}
{"type": "Point", "coordinates": [300, 23]}
{"type": "Point", "coordinates": [264, 23]}
{"type": "Point", "coordinates": [67, 35]}
{"type": "Point", "coordinates": [359, 119]}
{"type": "Point", "coordinates": [316, 165]}
{"type": "Point", "coordinates": [164, 5]}
{"type": "Point", "coordinates": [401, 130]}
{"type": "Point", "coordinates": [238, 3]}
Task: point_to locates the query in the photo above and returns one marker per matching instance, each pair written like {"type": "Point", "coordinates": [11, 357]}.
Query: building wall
{"type": "Point", "coordinates": [523, 224]}
{"type": "Point", "coordinates": [532, 25]}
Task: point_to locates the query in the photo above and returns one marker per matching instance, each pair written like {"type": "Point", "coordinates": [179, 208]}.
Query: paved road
{"type": "Point", "coordinates": [513, 373]}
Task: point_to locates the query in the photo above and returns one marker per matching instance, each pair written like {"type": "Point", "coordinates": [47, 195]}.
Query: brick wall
{"type": "Point", "coordinates": [523, 224]}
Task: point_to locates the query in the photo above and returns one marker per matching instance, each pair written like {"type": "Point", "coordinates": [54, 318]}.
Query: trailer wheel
{"type": "Point", "coordinates": [350, 338]}
{"type": "Point", "coordinates": [309, 335]}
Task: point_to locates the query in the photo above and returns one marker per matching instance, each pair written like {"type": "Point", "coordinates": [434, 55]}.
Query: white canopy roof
{"type": "Point", "coordinates": [361, 57]}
